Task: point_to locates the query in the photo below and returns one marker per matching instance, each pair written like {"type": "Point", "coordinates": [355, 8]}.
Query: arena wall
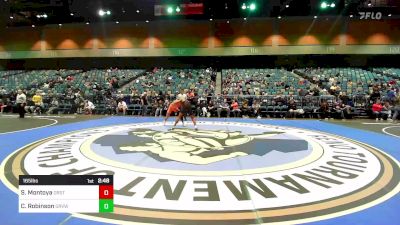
{"type": "Point", "coordinates": [289, 36]}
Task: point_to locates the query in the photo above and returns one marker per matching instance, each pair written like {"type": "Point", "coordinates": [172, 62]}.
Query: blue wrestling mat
{"type": "Point", "coordinates": [236, 171]}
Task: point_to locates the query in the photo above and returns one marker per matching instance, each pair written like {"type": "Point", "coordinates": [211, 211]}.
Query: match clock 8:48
{"type": "Point", "coordinates": [103, 180]}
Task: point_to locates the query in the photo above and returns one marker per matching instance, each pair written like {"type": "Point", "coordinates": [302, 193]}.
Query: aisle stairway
{"type": "Point", "coordinates": [218, 83]}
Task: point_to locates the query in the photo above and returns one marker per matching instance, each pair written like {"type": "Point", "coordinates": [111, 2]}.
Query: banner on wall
{"type": "Point", "coordinates": [184, 9]}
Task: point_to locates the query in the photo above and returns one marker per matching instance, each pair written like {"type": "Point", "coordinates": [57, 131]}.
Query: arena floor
{"type": "Point", "coordinates": [230, 171]}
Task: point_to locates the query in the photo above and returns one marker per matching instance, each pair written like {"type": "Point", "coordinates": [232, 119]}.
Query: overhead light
{"type": "Point", "coordinates": [324, 5]}
{"type": "Point", "coordinates": [11, 17]}
{"type": "Point", "coordinates": [245, 18]}
{"type": "Point", "coordinates": [351, 16]}
{"type": "Point", "coordinates": [227, 21]}
{"type": "Point", "coordinates": [102, 12]}
{"type": "Point", "coordinates": [287, 6]}
{"type": "Point", "coordinates": [279, 17]}
{"type": "Point", "coordinates": [315, 17]}
{"type": "Point", "coordinates": [169, 10]}
{"type": "Point", "coordinates": [138, 11]}
{"type": "Point", "coordinates": [333, 5]}
{"type": "Point", "coordinates": [147, 21]}
{"type": "Point", "coordinates": [59, 24]}
{"type": "Point", "coordinates": [211, 19]}
{"type": "Point", "coordinates": [390, 15]}
{"type": "Point", "coordinates": [178, 9]}
{"type": "Point", "coordinates": [117, 22]}
{"type": "Point", "coordinates": [244, 6]}
{"type": "Point", "coordinates": [252, 6]}
{"type": "Point", "coordinates": [33, 26]}
{"type": "Point", "coordinates": [87, 23]}
{"type": "Point", "coordinates": [71, 14]}
{"type": "Point", "coordinates": [41, 16]}
{"type": "Point", "coordinates": [369, 4]}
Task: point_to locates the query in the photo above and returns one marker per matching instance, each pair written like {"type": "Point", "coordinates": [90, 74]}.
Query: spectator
{"type": "Point", "coordinates": [223, 106]}
{"type": "Point", "coordinates": [78, 102]}
{"type": "Point", "coordinates": [53, 106]}
{"type": "Point", "coordinates": [38, 103]}
{"type": "Point", "coordinates": [70, 78]}
{"type": "Point", "coordinates": [235, 108]}
{"type": "Point", "coordinates": [46, 86]}
{"type": "Point", "coordinates": [256, 109]}
{"type": "Point", "coordinates": [375, 95]}
{"type": "Point", "coordinates": [3, 91]}
{"type": "Point", "coordinates": [114, 83]}
{"type": "Point", "coordinates": [391, 95]}
{"type": "Point", "coordinates": [202, 107]}
{"type": "Point", "coordinates": [120, 95]}
{"type": "Point", "coordinates": [144, 102]}
{"type": "Point", "coordinates": [159, 108]}
{"type": "Point", "coordinates": [209, 97]}
{"type": "Point", "coordinates": [121, 107]}
{"type": "Point", "coordinates": [166, 105]}
{"type": "Point", "coordinates": [280, 104]}
{"type": "Point", "coordinates": [315, 91]}
{"type": "Point", "coordinates": [70, 98]}
{"type": "Point", "coordinates": [111, 105]}
{"type": "Point", "coordinates": [343, 97]}
{"type": "Point", "coordinates": [324, 109]}
{"type": "Point", "coordinates": [324, 92]}
{"type": "Point", "coordinates": [2, 106]}
{"type": "Point", "coordinates": [88, 107]}
{"type": "Point", "coordinates": [396, 108]}
{"type": "Point", "coordinates": [377, 109]}
{"type": "Point", "coordinates": [360, 90]}
{"type": "Point", "coordinates": [210, 109]}
{"type": "Point", "coordinates": [292, 109]}
{"type": "Point", "coordinates": [245, 109]}
{"type": "Point", "coordinates": [334, 89]}
{"type": "Point", "coordinates": [29, 106]}
{"type": "Point", "coordinates": [302, 92]}
{"type": "Point", "coordinates": [341, 110]}
{"type": "Point", "coordinates": [387, 110]}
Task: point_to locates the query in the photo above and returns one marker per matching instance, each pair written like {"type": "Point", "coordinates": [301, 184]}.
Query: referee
{"type": "Point", "coordinates": [21, 102]}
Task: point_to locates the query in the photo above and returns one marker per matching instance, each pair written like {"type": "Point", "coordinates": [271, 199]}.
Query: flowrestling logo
{"type": "Point", "coordinates": [370, 15]}
{"type": "Point", "coordinates": [226, 172]}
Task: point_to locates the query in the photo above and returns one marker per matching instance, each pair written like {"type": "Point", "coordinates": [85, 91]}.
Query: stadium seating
{"type": "Point", "coordinates": [350, 80]}
{"type": "Point", "coordinates": [391, 72]}
{"type": "Point", "coordinates": [257, 81]}
{"type": "Point", "coordinates": [272, 88]}
{"type": "Point", "coordinates": [29, 79]}
{"type": "Point", "coordinates": [173, 81]}
{"type": "Point", "coordinates": [85, 81]}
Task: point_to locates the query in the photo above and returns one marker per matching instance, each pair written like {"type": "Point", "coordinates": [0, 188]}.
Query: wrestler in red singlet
{"type": "Point", "coordinates": [174, 107]}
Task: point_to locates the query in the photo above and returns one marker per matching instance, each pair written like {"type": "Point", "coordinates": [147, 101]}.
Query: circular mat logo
{"type": "Point", "coordinates": [224, 173]}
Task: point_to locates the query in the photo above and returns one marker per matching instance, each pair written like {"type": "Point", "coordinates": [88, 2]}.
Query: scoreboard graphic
{"type": "Point", "coordinates": [66, 194]}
